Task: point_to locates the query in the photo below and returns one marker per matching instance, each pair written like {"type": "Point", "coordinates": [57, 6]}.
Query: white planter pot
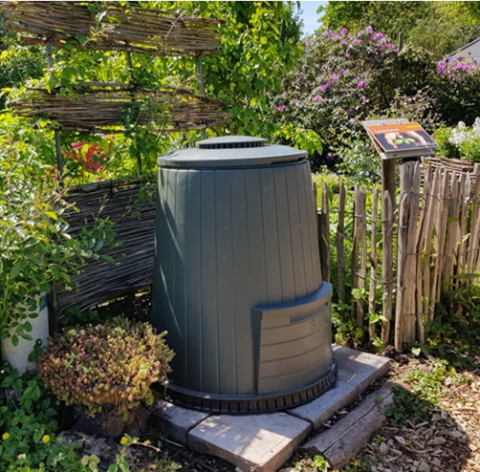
{"type": "Point", "coordinates": [17, 356]}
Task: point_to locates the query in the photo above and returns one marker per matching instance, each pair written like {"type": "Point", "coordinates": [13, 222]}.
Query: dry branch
{"type": "Point", "coordinates": [113, 107]}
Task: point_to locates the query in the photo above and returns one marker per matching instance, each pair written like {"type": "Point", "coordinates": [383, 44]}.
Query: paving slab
{"type": "Point", "coordinates": [175, 421]}
{"type": "Point", "coordinates": [359, 368]}
{"type": "Point", "coordinates": [356, 371]}
{"type": "Point", "coordinates": [254, 443]}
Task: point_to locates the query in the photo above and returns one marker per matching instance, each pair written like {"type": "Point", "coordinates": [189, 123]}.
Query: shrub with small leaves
{"type": "Point", "coordinates": [111, 363]}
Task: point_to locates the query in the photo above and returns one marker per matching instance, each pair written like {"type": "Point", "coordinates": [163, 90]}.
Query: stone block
{"type": "Point", "coordinates": [356, 371]}
{"type": "Point", "coordinates": [175, 421]}
{"type": "Point", "coordinates": [260, 443]}
{"type": "Point", "coordinates": [359, 368]}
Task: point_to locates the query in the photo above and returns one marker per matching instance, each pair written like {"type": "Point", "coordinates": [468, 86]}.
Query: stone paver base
{"type": "Point", "coordinates": [263, 442]}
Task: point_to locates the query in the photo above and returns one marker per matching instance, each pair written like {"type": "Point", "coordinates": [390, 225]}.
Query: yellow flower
{"type": "Point", "coordinates": [46, 438]}
{"type": "Point", "coordinates": [124, 441]}
{"type": "Point", "coordinates": [5, 436]}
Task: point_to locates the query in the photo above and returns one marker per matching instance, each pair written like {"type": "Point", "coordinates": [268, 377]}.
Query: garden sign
{"type": "Point", "coordinates": [399, 138]}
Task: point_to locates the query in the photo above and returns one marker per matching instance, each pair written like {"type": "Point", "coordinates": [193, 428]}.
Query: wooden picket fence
{"type": "Point", "coordinates": [430, 244]}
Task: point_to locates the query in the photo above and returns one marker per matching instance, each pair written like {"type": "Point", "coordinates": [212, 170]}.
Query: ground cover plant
{"type": "Point", "coordinates": [113, 363]}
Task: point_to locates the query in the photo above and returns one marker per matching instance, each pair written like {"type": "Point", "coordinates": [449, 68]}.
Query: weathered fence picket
{"type": "Point", "coordinates": [340, 246]}
{"type": "Point", "coordinates": [373, 264]}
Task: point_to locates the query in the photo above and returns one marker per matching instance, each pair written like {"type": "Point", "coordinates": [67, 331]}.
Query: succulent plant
{"type": "Point", "coordinates": [108, 364]}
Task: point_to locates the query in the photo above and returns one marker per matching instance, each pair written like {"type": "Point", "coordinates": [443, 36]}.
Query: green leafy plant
{"type": "Point", "coordinates": [460, 142]}
{"type": "Point", "coordinates": [28, 423]}
{"type": "Point", "coordinates": [418, 403]}
{"type": "Point", "coordinates": [35, 247]}
{"type": "Point", "coordinates": [112, 363]}
{"type": "Point", "coordinates": [453, 333]}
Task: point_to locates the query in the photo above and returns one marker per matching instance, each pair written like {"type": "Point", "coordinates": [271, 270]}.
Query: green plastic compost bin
{"type": "Point", "coordinates": [237, 281]}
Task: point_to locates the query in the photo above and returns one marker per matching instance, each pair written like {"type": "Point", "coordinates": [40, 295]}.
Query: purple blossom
{"type": "Point", "coordinates": [282, 108]}
{"type": "Point", "coordinates": [345, 43]}
{"type": "Point", "coordinates": [357, 42]}
{"type": "Point", "coordinates": [441, 67]}
{"type": "Point", "coordinates": [323, 88]}
{"type": "Point", "coordinates": [307, 43]}
{"type": "Point", "coordinates": [317, 98]}
{"type": "Point", "coordinates": [334, 76]}
{"type": "Point", "coordinates": [298, 103]}
{"type": "Point", "coordinates": [349, 111]}
{"type": "Point", "coordinates": [375, 57]}
{"type": "Point", "coordinates": [341, 71]}
{"type": "Point", "coordinates": [369, 29]}
{"type": "Point", "coordinates": [329, 83]}
{"type": "Point", "coordinates": [361, 84]}
{"type": "Point", "coordinates": [329, 157]}
{"type": "Point", "coordinates": [379, 35]}
{"type": "Point", "coordinates": [344, 31]}
{"type": "Point", "coordinates": [347, 55]}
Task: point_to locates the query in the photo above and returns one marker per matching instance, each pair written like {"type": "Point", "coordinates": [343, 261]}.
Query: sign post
{"type": "Point", "coordinates": [396, 139]}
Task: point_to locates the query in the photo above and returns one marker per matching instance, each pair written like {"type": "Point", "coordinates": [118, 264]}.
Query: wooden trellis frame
{"type": "Point", "coordinates": [114, 28]}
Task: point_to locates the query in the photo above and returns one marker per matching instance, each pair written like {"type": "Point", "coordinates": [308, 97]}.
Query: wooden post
{"type": "Point", "coordinates": [405, 314]}
{"type": "Point", "coordinates": [58, 145]}
{"type": "Point", "coordinates": [388, 180]}
{"type": "Point", "coordinates": [201, 86]}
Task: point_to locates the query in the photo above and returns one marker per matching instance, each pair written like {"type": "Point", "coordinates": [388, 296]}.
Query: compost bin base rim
{"type": "Point", "coordinates": [247, 404]}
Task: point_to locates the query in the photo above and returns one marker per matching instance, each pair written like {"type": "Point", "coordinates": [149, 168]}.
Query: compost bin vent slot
{"type": "Point", "coordinates": [231, 143]}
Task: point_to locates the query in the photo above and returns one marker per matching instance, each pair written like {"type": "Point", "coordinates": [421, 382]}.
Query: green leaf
{"type": "Point", "coordinates": [37, 436]}
{"type": "Point", "coordinates": [416, 351]}
{"type": "Point", "coordinates": [15, 270]}
{"type": "Point", "coordinates": [51, 214]}
{"type": "Point", "coordinates": [15, 340]}
{"type": "Point", "coordinates": [27, 326]}
{"type": "Point", "coordinates": [7, 382]}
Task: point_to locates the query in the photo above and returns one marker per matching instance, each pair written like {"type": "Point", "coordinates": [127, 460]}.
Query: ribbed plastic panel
{"type": "Point", "coordinates": [228, 241]}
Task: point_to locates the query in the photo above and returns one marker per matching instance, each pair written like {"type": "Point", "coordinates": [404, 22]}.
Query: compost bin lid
{"type": "Point", "coordinates": [231, 151]}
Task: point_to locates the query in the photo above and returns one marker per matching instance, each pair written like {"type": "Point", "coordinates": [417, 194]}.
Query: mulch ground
{"type": "Point", "coordinates": [448, 442]}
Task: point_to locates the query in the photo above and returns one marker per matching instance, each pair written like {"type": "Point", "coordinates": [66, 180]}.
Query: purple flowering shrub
{"type": "Point", "coordinates": [345, 78]}
{"type": "Point", "coordinates": [456, 91]}
{"type": "Point", "coordinates": [341, 79]}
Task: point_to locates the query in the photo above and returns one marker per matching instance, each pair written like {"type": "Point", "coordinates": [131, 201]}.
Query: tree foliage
{"type": "Point", "coordinates": [438, 27]}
